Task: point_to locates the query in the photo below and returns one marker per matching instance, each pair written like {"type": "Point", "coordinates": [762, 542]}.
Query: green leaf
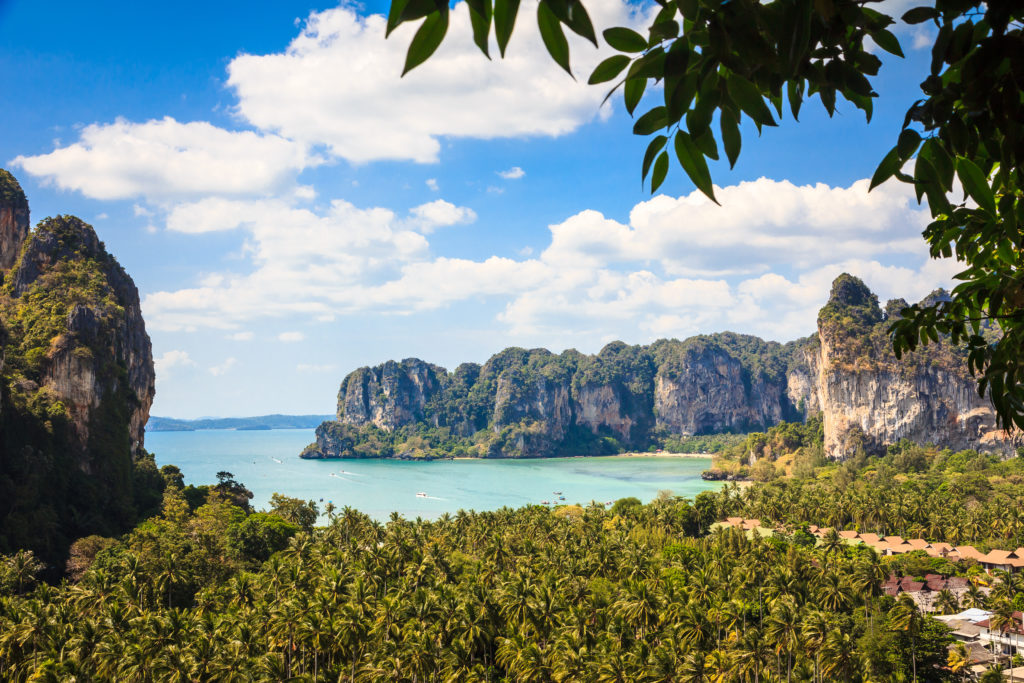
{"type": "Point", "coordinates": [505, 12]}
{"type": "Point", "coordinates": [975, 184]}
{"type": "Point", "coordinates": [907, 143]}
{"type": "Point", "coordinates": [890, 164]}
{"type": "Point", "coordinates": [634, 90]}
{"type": "Point", "coordinates": [1006, 253]}
{"type": "Point", "coordinates": [692, 161]}
{"type": "Point", "coordinates": [795, 95]}
{"type": "Point", "coordinates": [426, 40]}
{"type": "Point", "coordinates": [660, 171]}
{"type": "Point", "coordinates": [888, 42]}
{"type": "Point", "coordinates": [553, 36]}
{"type": "Point", "coordinates": [395, 15]}
{"type": "Point", "coordinates": [480, 18]}
{"type": "Point", "coordinates": [609, 69]}
{"type": "Point", "coordinates": [919, 15]}
{"type": "Point", "coordinates": [748, 97]}
{"type": "Point", "coordinates": [652, 150]}
{"type": "Point", "coordinates": [625, 39]}
{"type": "Point", "coordinates": [579, 21]}
{"type": "Point", "coordinates": [731, 139]}
{"type": "Point", "coordinates": [653, 120]}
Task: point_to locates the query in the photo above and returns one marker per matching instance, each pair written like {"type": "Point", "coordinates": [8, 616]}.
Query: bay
{"type": "Point", "coordinates": [267, 462]}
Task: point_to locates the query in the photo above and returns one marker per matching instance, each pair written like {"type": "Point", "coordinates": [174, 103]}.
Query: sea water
{"type": "Point", "coordinates": [267, 462]}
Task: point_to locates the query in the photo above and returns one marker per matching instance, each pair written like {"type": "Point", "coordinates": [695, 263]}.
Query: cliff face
{"type": "Point", "coordinates": [532, 403]}
{"type": "Point", "coordinates": [869, 398]}
{"type": "Point", "coordinates": [77, 385]}
{"type": "Point", "coordinates": [13, 219]}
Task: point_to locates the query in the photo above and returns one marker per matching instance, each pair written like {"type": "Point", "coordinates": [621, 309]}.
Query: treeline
{"type": "Point", "coordinates": [913, 491]}
{"type": "Point", "coordinates": [635, 594]}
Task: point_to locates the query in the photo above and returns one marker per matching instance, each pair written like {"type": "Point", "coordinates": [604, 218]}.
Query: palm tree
{"type": "Point", "coordinates": [1003, 621]}
{"type": "Point", "coordinates": [959, 661]}
{"type": "Point", "coordinates": [905, 617]}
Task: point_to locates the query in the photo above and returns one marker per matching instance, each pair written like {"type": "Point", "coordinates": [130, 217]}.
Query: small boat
{"type": "Point", "coordinates": [545, 502]}
{"type": "Point", "coordinates": [557, 493]}
{"type": "Point", "coordinates": [421, 494]}
{"type": "Point", "coordinates": [275, 460]}
{"type": "Point", "coordinates": [561, 498]}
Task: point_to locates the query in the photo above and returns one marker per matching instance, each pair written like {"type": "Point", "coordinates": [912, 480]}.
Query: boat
{"type": "Point", "coordinates": [545, 502]}
{"type": "Point", "coordinates": [561, 498]}
{"type": "Point", "coordinates": [275, 460]}
{"type": "Point", "coordinates": [421, 494]}
{"type": "Point", "coordinates": [557, 493]}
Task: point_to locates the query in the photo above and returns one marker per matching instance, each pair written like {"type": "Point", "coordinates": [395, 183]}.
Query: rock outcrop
{"type": "Point", "coordinates": [13, 219]}
{"type": "Point", "coordinates": [868, 398]}
{"type": "Point", "coordinates": [77, 385]}
{"type": "Point", "coordinates": [533, 403]}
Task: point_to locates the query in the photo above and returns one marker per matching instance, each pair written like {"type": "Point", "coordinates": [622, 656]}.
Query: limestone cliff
{"type": "Point", "coordinates": [13, 219]}
{"type": "Point", "coordinates": [529, 403]}
{"type": "Point", "coordinates": [77, 383]}
{"type": "Point", "coordinates": [870, 398]}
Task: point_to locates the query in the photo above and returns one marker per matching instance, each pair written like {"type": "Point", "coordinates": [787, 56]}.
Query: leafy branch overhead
{"type": "Point", "coordinates": [720, 61]}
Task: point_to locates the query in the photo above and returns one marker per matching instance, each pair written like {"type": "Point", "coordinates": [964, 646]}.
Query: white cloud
{"type": "Point", "coordinates": [439, 214]}
{"type": "Point", "coordinates": [141, 210]}
{"type": "Point", "coordinates": [240, 336]}
{"type": "Point", "coordinates": [218, 370]}
{"type": "Point", "coordinates": [514, 173]}
{"type": "Point", "coordinates": [432, 184]}
{"type": "Point", "coordinates": [369, 113]}
{"type": "Point", "coordinates": [760, 225]}
{"type": "Point", "coordinates": [164, 158]}
{"type": "Point", "coordinates": [166, 363]}
{"type": "Point", "coordinates": [680, 265]}
{"type": "Point", "coordinates": [291, 336]}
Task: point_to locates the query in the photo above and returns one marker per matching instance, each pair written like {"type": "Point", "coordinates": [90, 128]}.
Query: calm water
{"type": "Point", "coordinates": [268, 462]}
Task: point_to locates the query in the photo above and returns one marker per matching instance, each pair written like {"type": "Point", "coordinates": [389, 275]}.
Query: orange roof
{"type": "Point", "coordinates": [733, 521]}
{"type": "Point", "coordinates": [918, 543]}
{"type": "Point", "coordinates": [941, 546]}
{"type": "Point", "coordinates": [870, 538]}
{"type": "Point", "coordinates": [851, 534]}
{"type": "Point", "coordinates": [894, 540]}
{"type": "Point", "coordinates": [969, 552]}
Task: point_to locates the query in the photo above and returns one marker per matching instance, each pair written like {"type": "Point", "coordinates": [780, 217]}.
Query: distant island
{"type": "Point", "coordinates": [260, 422]}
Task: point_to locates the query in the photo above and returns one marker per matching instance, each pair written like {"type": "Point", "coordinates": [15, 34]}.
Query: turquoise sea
{"type": "Point", "coordinates": [268, 462]}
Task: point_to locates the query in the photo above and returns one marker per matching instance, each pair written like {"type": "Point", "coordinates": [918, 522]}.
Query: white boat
{"type": "Point", "coordinates": [275, 460]}
{"type": "Point", "coordinates": [421, 494]}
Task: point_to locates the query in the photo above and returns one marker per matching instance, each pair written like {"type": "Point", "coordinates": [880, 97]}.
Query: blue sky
{"type": "Point", "coordinates": [291, 210]}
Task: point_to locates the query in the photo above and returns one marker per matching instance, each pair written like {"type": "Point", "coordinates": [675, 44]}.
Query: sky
{"type": "Point", "coordinates": [291, 209]}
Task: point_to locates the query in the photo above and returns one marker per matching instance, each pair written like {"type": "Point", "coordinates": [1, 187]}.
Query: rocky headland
{"type": "Point", "coordinates": [533, 403]}
{"type": "Point", "coordinates": [76, 384]}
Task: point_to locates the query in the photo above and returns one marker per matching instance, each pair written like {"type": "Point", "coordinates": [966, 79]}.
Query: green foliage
{"type": "Point", "coordinates": [529, 594]}
{"type": "Point", "coordinates": [301, 513]}
{"type": "Point", "coordinates": [914, 491]}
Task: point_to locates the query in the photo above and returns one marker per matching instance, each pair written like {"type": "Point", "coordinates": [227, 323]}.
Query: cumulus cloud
{"type": "Point", "coordinates": [368, 113]}
{"type": "Point", "coordinates": [164, 158]}
{"type": "Point", "coordinates": [438, 214]}
{"type": "Point", "coordinates": [170, 360]}
{"type": "Point", "coordinates": [218, 370]}
{"type": "Point", "coordinates": [514, 173]}
{"type": "Point", "coordinates": [761, 263]}
{"type": "Point", "coordinates": [760, 224]}
{"type": "Point", "coordinates": [432, 184]}
{"type": "Point", "coordinates": [291, 336]}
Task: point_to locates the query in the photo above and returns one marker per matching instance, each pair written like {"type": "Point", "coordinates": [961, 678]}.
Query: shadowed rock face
{"type": "Point", "coordinates": [705, 384]}
{"type": "Point", "coordinates": [13, 219]}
